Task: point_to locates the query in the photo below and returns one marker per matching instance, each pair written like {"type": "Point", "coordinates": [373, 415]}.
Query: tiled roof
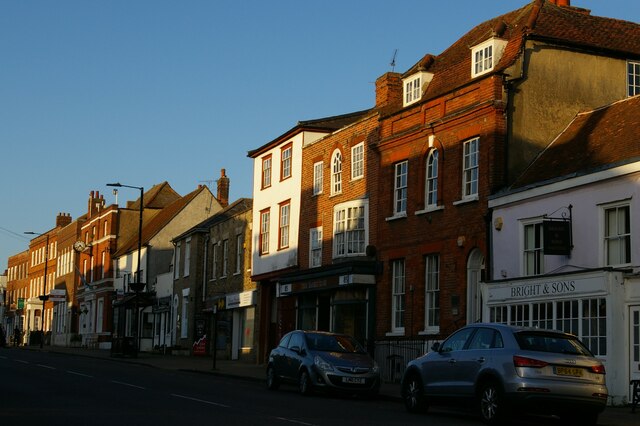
{"type": "Point", "coordinates": [327, 124]}
{"type": "Point", "coordinates": [541, 20]}
{"type": "Point", "coordinates": [596, 140]}
{"type": "Point", "coordinates": [159, 196]}
{"type": "Point", "coordinates": [159, 221]}
{"type": "Point", "coordinates": [239, 206]}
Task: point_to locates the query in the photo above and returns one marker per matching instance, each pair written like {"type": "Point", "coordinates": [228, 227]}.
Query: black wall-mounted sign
{"type": "Point", "coordinates": [557, 237]}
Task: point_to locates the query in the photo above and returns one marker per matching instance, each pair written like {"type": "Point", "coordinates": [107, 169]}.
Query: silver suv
{"type": "Point", "coordinates": [504, 368]}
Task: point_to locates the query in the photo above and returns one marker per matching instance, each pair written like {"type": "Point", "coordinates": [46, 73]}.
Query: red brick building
{"type": "Point", "coordinates": [464, 125]}
{"type": "Point", "coordinates": [334, 287]}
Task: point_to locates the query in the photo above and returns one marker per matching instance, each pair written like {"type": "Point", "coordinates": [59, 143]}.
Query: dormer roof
{"type": "Point", "coordinates": [539, 20]}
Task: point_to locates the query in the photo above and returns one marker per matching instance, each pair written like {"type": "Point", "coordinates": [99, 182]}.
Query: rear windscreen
{"type": "Point", "coordinates": [551, 342]}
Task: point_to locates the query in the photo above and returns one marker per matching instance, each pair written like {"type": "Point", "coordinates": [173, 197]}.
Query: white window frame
{"type": "Point", "coordinates": [633, 78]}
{"type": "Point", "coordinates": [214, 261]}
{"type": "Point", "coordinates": [284, 225]}
{"type": "Point", "coordinates": [176, 263]}
{"type": "Point", "coordinates": [336, 172]}
{"type": "Point", "coordinates": [318, 178]}
{"type": "Point", "coordinates": [431, 180]}
{"type": "Point", "coordinates": [187, 257]}
{"type": "Point", "coordinates": [470, 168]}
{"type": "Point", "coordinates": [432, 294]}
{"type": "Point", "coordinates": [239, 251]}
{"type": "Point", "coordinates": [267, 171]}
{"type": "Point", "coordinates": [533, 251]}
{"type": "Point", "coordinates": [286, 158]}
{"type": "Point", "coordinates": [486, 55]}
{"type": "Point", "coordinates": [184, 320]}
{"type": "Point", "coordinates": [622, 239]}
{"type": "Point", "coordinates": [398, 289]}
{"type": "Point", "coordinates": [225, 258]}
{"type": "Point", "coordinates": [350, 228]}
{"type": "Point", "coordinates": [357, 161]}
{"type": "Point", "coordinates": [315, 247]}
{"type": "Point", "coordinates": [400, 190]}
{"type": "Point", "coordinates": [265, 223]}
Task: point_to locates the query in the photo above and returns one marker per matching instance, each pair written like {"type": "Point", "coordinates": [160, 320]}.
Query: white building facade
{"type": "Point", "coordinates": [593, 290]}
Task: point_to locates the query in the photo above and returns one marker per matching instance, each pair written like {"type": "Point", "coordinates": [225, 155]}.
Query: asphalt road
{"type": "Point", "coordinates": [45, 388]}
{"type": "Point", "coordinates": [52, 389]}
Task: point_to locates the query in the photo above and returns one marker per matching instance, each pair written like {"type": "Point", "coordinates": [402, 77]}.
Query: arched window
{"type": "Point", "coordinates": [336, 172]}
{"type": "Point", "coordinates": [431, 186]}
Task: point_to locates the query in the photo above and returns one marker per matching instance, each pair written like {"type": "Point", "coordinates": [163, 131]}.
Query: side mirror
{"type": "Point", "coordinates": [435, 347]}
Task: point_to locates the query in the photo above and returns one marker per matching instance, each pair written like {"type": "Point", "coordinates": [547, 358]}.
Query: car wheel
{"type": "Point", "coordinates": [413, 394]}
{"type": "Point", "coordinates": [272, 380]}
{"type": "Point", "coordinates": [492, 407]}
{"type": "Point", "coordinates": [304, 383]}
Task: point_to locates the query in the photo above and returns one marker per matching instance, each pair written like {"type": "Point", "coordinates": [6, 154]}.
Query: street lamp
{"type": "Point", "coordinates": [137, 286]}
{"type": "Point", "coordinates": [44, 297]}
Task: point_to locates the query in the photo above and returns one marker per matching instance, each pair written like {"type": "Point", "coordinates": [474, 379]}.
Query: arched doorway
{"type": "Point", "coordinates": [475, 266]}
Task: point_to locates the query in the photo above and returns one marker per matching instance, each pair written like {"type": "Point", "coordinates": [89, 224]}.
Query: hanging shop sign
{"type": "Point", "coordinates": [557, 237]}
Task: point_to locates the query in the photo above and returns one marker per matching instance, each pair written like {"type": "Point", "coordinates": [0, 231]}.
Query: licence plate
{"type": "Point", "coordinates": [569, 371]}
{"type": "Point", "coordinates": [354, 380]}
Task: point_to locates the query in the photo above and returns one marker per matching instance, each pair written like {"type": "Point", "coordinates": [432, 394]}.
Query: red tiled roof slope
{"type": "Point", "coordinates": [159, 221]}
{"type": "Point", "coordinates": [539, 19]}
{"type": "Point", "coordinates": [595, 140]}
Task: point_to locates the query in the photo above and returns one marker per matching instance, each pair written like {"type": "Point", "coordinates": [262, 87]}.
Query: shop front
{"type": "Point", "coordinates": [337, 299]}
{"type": "Point", "coordinates": [234, 326]}
{"type": "Point", "coordinates": [600, 306]}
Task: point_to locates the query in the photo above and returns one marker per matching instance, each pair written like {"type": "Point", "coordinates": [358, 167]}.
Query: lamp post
{"type": "Point", "coordinates": [137, 286]}
{"type": "Point", "coordinates": [44, 297]}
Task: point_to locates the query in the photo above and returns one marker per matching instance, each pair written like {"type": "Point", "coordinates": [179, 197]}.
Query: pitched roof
{"type": "Point", "coordinates": [595, 140]}
{"type": "Point", "coordinates": [327, 124]}
{"type": "Point", "coordinates": [539, 20]}
{"type": "Point", "coordinates": [239, 206]}
{"type": "Point", "coordinates": [159, 221]}
{"type": "Point", "coordinates": [159, 196]}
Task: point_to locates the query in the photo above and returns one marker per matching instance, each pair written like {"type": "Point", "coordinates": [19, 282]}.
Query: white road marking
{"type": "Point", "coordinates": [200, 400]}
{"type": "Point", "coordinates": [46, 366]}
{"type": "Point", "coordinates": [3, 357]}
{"type": "Point", "coordinates": [21, 361]}
{"type": "Point", "coordinates": [78, 374]}
{"type": "Point", "coordinates": [127, 384]}
{"type": "Point", "coordinates": [298, 422]}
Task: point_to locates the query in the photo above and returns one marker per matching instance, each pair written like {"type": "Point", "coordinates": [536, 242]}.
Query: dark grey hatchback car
{"type": "Point", "coordinates": [503, 369]}
{"type": "Point", "coordinates": [322, 360]}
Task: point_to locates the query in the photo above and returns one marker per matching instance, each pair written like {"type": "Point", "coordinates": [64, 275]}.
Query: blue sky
{"type": "Point", "coordinates": [147, 91]}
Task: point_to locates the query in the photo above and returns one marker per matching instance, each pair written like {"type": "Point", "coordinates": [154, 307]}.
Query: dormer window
{"type": "Point", "coordinates": [485, 56]}
{"type": "Point", "coordinates": [413, 86]}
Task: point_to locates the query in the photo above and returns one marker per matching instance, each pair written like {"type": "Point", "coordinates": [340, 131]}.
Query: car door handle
{"type": "Point", "coordinates": [481, 360]}
{"type": "Point", "coordinates": [452, 361]}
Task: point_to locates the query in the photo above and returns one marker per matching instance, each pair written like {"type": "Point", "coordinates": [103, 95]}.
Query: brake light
{"type": "Point", "coordinates": [521, 361]}
{"type": "Point", "coordinates": [598, 369]}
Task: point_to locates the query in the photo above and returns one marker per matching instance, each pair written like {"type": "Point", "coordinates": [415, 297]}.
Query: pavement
{"type": "Point", "coordinates": [612, 416]}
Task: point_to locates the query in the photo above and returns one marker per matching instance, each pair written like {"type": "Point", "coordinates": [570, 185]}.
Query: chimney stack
{"type": "Point", "coordinates": [223, 189]}
{"type": "Point", "coordinates": [63, 219]}
{"type": "Point", "coordinates": [561, 3]}
{"type": "Point", "coordinates": [389, 91]}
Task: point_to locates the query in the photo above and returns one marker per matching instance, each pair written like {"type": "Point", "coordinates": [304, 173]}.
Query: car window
{"type": "Point", "coordinates": [485, 338]}
{"type": "Point", "coordinates": [551, 342]}
{"type": "Point", "coordinates": [456, 341]}
{"type": "Point", "coordinates": [329, 343]}
{"type": "Point", "coordinates": [285, 341]}
{"type": "Point", "coordinates": [296, 340]}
